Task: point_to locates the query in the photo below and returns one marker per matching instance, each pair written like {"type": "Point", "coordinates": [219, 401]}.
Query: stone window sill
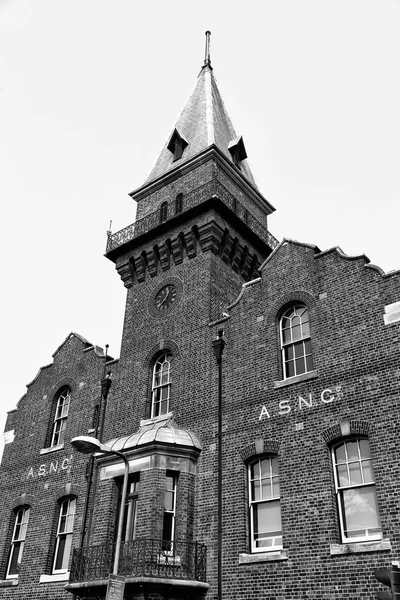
{"type": "Point", "coordinates": [358, 547]}
{"type": "Point", "coordinates": [52, 449]}
{"type": "Point", "coordinates": [54, 578]}
{"type": "Point", "coordinates": [248, 559]}
{"type": "Point", "coordinates": [9, 582]}
{"type": "Point", "coordinates": [295, 379]}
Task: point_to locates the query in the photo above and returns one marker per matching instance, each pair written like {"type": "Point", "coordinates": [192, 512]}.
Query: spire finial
{"type": "Point", "coordinates": [207, 58]}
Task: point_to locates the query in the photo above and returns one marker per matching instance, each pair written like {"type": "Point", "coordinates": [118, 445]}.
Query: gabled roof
{"type": "Point", "coordinates": [78, 337]}
{"type": "Point", "coordinates": [204, 122]}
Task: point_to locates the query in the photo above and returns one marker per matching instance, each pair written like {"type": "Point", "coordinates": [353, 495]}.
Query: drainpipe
{"type": "Point", "coordinates": [98, 432]}
{"type": "Point", "coordinates": [218, 346]}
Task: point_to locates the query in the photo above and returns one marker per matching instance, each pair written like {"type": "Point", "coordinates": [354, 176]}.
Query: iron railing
{"type": "Point", "coordinates": [141, 558]}
{"type": "Point", "coordinates": [190, 200]}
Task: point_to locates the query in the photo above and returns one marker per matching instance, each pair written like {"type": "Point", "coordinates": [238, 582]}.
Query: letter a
{"type": "Point", "coordinates": [264, 413]}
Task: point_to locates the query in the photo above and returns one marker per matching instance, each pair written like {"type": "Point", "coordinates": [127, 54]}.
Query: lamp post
{"type": "Point", "coordinates": [87, 445]}
{"type": "Point", "coordinates": [218, 346]}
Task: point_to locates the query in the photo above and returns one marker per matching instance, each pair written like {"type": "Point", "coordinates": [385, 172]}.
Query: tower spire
{"type": "Point", "coordinates": [207, 57]}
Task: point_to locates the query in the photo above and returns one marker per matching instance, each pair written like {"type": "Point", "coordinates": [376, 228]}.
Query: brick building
{"type": "Point", "coordinates": [255, 401]}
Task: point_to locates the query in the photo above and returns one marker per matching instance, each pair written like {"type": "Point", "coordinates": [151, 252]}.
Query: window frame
{"type": "Point", "coordinates": [157, 388]}
{"type": "Point", "coordinates": [288, 347]}
{"type": "Point", "coordinates": [253, 503]}
{"type": "Point", "coordinates": [60, 417]}
{"type": "Point", "coordinates": [130, 508]}
{"type": "Point", "coordinates": [168, 542]}
{"type": "Point", "coordinates": [64, 534]}
{"type": "Point", "coordinates": [17, 544]}
{"type": "Point", "coordinates": [341, 489]}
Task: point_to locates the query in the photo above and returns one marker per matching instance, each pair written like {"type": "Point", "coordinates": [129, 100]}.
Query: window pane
{"type": "Point", "coordinates": [290, 369]}
{"type": "Point", "coordinates": [343, 476]}
{"type": "Point", "coordinates": [255, 470]}
{"type": "Point", "coordinates": [275, 486]}
{"type": "Point", "coordinates": [289, 353]}
{"type": "Point", "coordinates": [360, 512]}
{"type": "Point", "coordinates": [15, 558]}
{"type": "Point", "coordinates": [300, 366]}
{"type": "Point", "coordinates": [296, 322]}
{"type": "Point", "coordinates": [168, 500]}
{"type": "Point", "coordinates": [286, 337]}
{"type": "Point", "coordinates": [367, 471]}
{"type": "Point", "coordinates": [365, 449]}
{"type": "Point", "coordinates": [167, 526]}
{"type": "Point", "coordinates": [340, 454]}
{"type": "Point", "coordinates": [267, 521]}
{"type": "Point", "coordinates": [309, 363]}
{"type": "Point", "coordinates": [60, 553]}
{"type": "Point", "coordinates": [306, 329]}
{"type": "Point", "coordinates": [296, 333]}
{"type": "Point", "coordinates": [255, 491]}
{"type": "Point", "coordinates": [299, 350]}
{"type": "Point", "coordinates": [355, 473]}
{"type": "Point", "coordinates": [352, 450]}
{"type": "Point", "coordinates": [266, 489]}
{"type": "Point", "coordinates": [265, 467]}
{"type": "Point", "coordinates": [307, 347]}
{"type": "Point", "coordinates": [274, 463]}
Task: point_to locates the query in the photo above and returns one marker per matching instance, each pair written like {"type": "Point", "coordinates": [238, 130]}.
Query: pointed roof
{"type": "Point", "coordinates": [203, 122]}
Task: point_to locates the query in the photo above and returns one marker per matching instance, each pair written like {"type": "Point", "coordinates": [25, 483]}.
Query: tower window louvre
{"type": "Point", "coordinates": [177, 145]}
{"type": "Point", "coordinates": [178, 204]}
{"type": "Point", "coordinates": [163, 212]}
{"type": "Point", "coordinates": [237, 151]}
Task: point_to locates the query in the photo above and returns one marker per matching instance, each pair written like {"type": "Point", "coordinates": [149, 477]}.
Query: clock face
{"type": "Point", "coordinates": [165, 297]}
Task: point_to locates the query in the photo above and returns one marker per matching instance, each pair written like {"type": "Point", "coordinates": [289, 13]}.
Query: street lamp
{"type": "Point", "coordinates": [87, 445]}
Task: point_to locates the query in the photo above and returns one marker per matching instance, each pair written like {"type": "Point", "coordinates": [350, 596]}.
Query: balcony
{"type": "Point", "coordinates": [143, 562]}
{"type": "Point", "coordinates": [191, 200]}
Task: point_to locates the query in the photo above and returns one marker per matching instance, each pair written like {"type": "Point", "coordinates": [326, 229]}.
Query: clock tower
{"type": "Point", "coordinates": [201, 232]}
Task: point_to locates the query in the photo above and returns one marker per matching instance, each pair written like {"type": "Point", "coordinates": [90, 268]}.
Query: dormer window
{"type": "Point", "coordinates": [177, 145]}
{"type": "Point", "coordinates": [237, 151]}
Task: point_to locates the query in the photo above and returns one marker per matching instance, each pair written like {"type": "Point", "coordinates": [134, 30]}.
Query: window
{"type": "Point", "coordinates": [178, 204]}
{"type": "Point", "coordinates": [295, 341]}
{"type": "Point", "coordinates": [129, 526]}
{"type": "Point", "coordinates": [265, 506]}
{"type": "Point", "coordinates": [17, 542]}
{"type": "Point", "coordinates": [169, 511]}
{"type": "Point", "coordinates": [355, 491]}
{"type": "Point", "coordinates": [60, 418]}
{"type": "Point", "coordinates": [161, 385]}
{"type": "Point", "coordinates": [64, 535]}
{"type": "Point", "coordinates": [163, 212]}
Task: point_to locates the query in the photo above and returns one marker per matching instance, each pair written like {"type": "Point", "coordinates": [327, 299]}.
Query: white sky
{"type": "Point", "coordinates": [89, 92]}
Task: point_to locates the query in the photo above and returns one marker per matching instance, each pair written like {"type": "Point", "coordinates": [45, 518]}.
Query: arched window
{"type": "Point", "coordinates": [60, 417]}
{"type": "Point", "coordinates": [17, 542]}
{"type": "Point", "coordinates": [178, 204]}
{"type": "Point", "coordinates": [163, 212]}
{"type": "Point", "coordinates": [64, 535]}
{"type": "Point", "coordinates": [355, 491]}
{"type": "Point", "coordinates": [161, 388]}
{"type": "Point", "coordinates": [265, 505]}
{"type": "Point", "coordinates": [296, 341]}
